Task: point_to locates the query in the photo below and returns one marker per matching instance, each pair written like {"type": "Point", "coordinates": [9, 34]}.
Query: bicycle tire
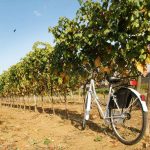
{"type": "Point", "coordinates": [121, 125]}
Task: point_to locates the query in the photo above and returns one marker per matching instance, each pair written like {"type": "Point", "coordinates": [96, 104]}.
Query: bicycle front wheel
{"type": "Point", "coordinates": [129, 121]}
{"type": "Point", "coordinates": [87, 106]}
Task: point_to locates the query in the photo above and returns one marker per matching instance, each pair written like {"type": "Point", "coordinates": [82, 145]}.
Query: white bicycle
{"type": "Point", "coordinates": [126, 109]}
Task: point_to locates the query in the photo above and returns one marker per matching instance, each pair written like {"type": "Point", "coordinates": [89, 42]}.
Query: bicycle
{"type": "Point", "coordinates": [126, 109]}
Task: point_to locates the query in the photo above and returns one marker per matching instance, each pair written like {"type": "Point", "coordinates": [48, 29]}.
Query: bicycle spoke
{"type": "Point", "coordinates": [130, 126]}
{"type": "Point", "coordinates": [131, 105]}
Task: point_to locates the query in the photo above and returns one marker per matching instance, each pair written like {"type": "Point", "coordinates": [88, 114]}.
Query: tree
{"type": "Point", "coordinates": [115, 31]}
{"type": "Point", "coordinates": [110, 34]}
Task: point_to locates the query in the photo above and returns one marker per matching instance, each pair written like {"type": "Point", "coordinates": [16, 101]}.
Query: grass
{"type": "Point", "coordinates": [98, 138]}
{"type": "Point", "coordinates": [47, 141]}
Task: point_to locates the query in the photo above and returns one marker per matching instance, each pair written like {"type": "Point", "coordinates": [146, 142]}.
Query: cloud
{"type": "Point", "coordinates": [36, 13]}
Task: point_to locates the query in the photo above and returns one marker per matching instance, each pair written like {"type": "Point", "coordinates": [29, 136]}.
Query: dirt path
{"type": "Point", "coordinates": [24, 130]}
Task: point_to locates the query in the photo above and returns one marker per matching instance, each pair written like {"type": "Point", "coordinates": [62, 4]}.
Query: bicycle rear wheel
{"type": "Point", "coordinates": [129, 123]}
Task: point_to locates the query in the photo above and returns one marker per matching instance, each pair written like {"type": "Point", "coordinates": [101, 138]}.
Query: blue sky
{"type": "Point", "coordinates": [31, 19]}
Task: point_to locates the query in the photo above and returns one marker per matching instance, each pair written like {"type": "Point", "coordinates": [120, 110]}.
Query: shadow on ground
{"type": "Point", "coordinates": [74, 116]}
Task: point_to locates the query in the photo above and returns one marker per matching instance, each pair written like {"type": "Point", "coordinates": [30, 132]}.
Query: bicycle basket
{"type": "Point", "coordinates": [123, 98]}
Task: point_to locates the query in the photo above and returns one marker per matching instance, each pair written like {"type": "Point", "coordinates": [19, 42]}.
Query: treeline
{"type": "Point", "coordinates": [112, 35]}
{"type": "Point", "coordinates": [34, 74]}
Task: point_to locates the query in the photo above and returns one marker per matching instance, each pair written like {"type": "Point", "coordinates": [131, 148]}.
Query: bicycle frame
{"type": "Point", "coordinates": [122, 100]}
{"type": "Point", "coordinates": [91, 93]}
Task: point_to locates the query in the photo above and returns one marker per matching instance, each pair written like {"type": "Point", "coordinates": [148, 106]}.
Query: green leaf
{"type": "Point", "coordinates": [127, 46]}
{"type": "Point", "coordinates": [136, 13]}
{"type": "Point", "coordinates": [60, 80]}
{"type": "Point", "coordinates": [98, 139]}
{"type": "Point", "coordinates": [47, 141]}
{"type": "Point", "coordinates": [80, 2]}
{"type": "Point", "coordinates": [148, 37]}
{"type": "Point", "coordinates": [132, 18]}
{"type": "Point", "coordinates": [136, 24]}
{"type": "Point", "coordinates": [106, 31]}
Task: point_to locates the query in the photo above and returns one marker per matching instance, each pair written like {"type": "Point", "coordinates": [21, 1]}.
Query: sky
{"type": "Point", "coordinates": [31, 19]}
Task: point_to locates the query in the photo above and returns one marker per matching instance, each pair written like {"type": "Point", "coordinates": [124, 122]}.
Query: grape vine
{"type": "Point", "coordinates": [111, 35]}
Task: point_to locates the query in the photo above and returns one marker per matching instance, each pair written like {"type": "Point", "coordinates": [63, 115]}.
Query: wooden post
{"type": "Point", "coordinates": [52, 91]}
{"type": "Point", "coordinates": [35, 103]}
{"type": "Point", "coordinates": [42, 98]}
{"type": "Point", "coordinates": [72, 97]}
{"type": "Point", "coordinates": [29, 97]}
{"type": "Point", "coordinates": [20, 101]}
{"type": "Point", "coordinates": [0, 102]}
{"type": "Point", "coordinates": [139, 84]}
{"type": "Point", "coordinates": [11, 100]}
{"type": "Point", "coordinates": [147, 102]}
{"type": "Point", "coordinates": [66, 104]}
{"type": "Point", "coordinates": [79, 93]}
{"type": "Point", "coordinates": [24, 103]}
{"type": "Point", "coordinates": [49, 102]}
{"type": "Point", "coordinates": [60, 97]}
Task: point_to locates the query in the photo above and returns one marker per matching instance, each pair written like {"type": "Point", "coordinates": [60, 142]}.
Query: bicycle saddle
{"type": "Point", "coordinates": [113, 80]}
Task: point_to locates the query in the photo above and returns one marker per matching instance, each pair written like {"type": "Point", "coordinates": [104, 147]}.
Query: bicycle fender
{"type": "Point", "coordinates": [88, 107]}
{"type": "Point", "coordinates": [139, 96]}
{"type": "Point", "coordinates": [88, 102]}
